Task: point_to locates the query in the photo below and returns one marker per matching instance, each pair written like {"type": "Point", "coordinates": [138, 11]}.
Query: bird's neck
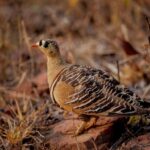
{"type": "Point", "coordinates": [54, 66]}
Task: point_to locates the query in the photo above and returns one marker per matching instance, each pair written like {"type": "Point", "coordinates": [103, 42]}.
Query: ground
{"type": "Point", "coordinates": [113, 35]}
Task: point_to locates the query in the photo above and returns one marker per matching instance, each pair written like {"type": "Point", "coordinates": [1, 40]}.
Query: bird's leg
{"type": "Point", "coordinates": [91, 123]}
{"type": "Point", "coordinates": [87, 122]}
{"type": "Point", "coordinates": [65, 113]}
{"type": "Point", "coordinates": [81, 128]}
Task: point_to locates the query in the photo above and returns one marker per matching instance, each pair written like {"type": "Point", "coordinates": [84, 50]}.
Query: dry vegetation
{"type": "Point", "coordinates": [108, 34]}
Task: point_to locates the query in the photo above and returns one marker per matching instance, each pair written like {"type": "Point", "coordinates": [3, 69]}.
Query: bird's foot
{"type": "Point", "coordinates": [85, 125]}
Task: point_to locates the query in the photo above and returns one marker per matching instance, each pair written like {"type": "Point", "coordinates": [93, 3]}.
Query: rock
{"type": "Point", "coordinates": [98, 137]}
{"type": "Point", "coordinates": [137, 143]}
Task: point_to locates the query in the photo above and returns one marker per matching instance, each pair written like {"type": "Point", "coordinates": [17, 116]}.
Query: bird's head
{"type": "Point", "coordinates": [49, 47]}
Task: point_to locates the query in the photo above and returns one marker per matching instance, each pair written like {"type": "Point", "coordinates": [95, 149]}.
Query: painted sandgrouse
{"type": "Point", "coordinates": [87, 91]}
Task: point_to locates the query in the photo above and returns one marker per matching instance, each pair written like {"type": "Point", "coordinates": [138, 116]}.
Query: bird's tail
{"type": "Point", "coordinates": [145, 104]}
{"type": "Point", "coordinates": [142, 120]}
{"type": "Point", "coordinates": [144, 117]}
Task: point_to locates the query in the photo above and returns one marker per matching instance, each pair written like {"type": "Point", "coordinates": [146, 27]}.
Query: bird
{"type": "Point", "coordinates": [86, 91]}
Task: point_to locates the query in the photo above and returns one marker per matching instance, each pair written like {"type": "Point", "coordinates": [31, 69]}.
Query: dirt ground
{"type": "Point", "coordinates": [113, 35]}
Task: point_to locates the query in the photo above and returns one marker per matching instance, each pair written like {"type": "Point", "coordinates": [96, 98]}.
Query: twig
{"type": "Point", "coordinates": [129, 59]}
{"type": "Point", "coordinates": [23, 76]}
{"type": "Point", "coordinates": [25, 36]}
{"type": "Point", "coordinates": [148, 23]}
{"type": "Point", "coordinates": [94, 144]}
{"type": "Point", "coordinates": [20, 116]}
{"type": "Point", "coordinates": [76, 139]}
{"type": "Point", "coordinates": [27, 41]}
{"type": "Point", "coordinates": [118, 71]}
{"type": "Point", "coordinates": [16, 94]}
{"type": "Point", "coordinates": [146, 91]}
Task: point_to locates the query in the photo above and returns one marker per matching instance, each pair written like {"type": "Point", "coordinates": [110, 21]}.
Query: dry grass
{"type": "Point", "coordinates": [88, 33]}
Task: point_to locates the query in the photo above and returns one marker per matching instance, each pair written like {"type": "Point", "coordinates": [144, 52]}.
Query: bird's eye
{"type": "Point", "coordinates": [40, 43]}
{"type": "Point", "coordinates": [46, 44]}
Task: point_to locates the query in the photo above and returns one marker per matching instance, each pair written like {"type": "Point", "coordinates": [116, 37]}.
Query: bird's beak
{"type": "Point", "coordinates": [36, 45]}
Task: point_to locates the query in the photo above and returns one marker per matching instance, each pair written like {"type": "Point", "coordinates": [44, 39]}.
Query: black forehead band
{"type": "Point", "coordinates": [52, 43]}
{"type": "Point", "coordinates": [40, 43]}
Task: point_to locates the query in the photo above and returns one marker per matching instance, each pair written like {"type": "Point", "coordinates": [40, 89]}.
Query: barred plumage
{"type": "Point", "coordinates": [97, 93]}
{"type": "Point", "coordinates": [88, 91]}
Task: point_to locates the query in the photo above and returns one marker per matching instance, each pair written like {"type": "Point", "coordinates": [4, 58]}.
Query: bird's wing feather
{"type": "Point", "coordinates": [96, 92]}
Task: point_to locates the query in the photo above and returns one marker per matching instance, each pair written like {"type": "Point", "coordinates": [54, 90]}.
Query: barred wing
{"type": "Point", "coordinates": [97, 93]}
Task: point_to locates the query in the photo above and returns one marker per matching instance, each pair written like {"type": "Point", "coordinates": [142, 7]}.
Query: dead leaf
{"type": "Point", "coordinates": [128, 47]}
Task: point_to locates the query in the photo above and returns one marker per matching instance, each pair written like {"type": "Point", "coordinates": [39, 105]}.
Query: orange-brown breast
{"type": "Point", "coordinates": [61, 94]}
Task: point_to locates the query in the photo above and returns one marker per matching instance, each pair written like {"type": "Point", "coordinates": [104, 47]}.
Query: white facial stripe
{"type": "Point", "coordinates": [43, 43]}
